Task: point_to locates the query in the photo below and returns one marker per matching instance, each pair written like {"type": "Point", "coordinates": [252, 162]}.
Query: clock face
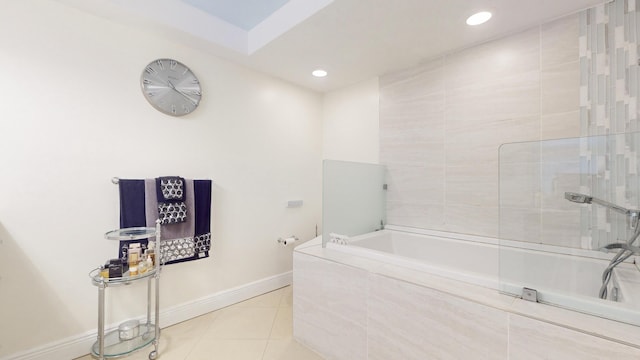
{"type": "Point", "coordinates": [170, 87]}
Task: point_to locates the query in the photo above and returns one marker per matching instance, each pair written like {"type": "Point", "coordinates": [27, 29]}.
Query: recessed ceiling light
{"type": "Point", "coordinates": [319, 73]}
{"type": "Point", "coordinates": [479, 18]}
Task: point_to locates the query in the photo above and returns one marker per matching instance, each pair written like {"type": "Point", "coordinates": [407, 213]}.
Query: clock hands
{"type": "Point", "coordinates": [182, 93]}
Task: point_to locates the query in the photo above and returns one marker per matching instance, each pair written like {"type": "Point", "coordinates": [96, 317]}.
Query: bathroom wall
{"type": "Point", "coordinates": [74, 117]}
{"type": "Point", "coordinates": [350, 129]}
{"type": "Point", "coordinates": [442, 122]}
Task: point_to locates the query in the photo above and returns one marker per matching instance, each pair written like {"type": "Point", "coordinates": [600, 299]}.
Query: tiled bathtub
{"type": "Point", "coordinates": [352, 307]}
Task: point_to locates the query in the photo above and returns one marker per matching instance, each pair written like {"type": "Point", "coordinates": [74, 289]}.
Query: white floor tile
{"type": "Point", "coordinates": [288, 349]}
{"type": "Point", "coordinates": [260, 328]}
{"type": "Point", "coordinates": [283, 324]}
{"type": "Point", "coordinates": [287, 297]}
{"type": "Point", "coordinates": [228, 349]}
{"type": "Point", "coordinates": [242, 323]}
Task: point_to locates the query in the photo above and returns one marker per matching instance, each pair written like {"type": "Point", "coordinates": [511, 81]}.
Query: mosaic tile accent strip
{"type": "Point", "coordinates": [609, 84]}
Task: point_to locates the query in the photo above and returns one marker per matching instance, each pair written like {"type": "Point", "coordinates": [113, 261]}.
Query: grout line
{"type": "Point", "coordinates": [509, 319]}
{"type": "Point", "coordinates": [264, 351]}
{"type": "Point", "coordinates": [186, 357]}
{"type": "Point", "coordinates": [273, 323]}
{"type": "Point", "coordinates": [282, 296]}
{"type": "Point", "coordinates": [268, 339]}
{"type": "Point", "coordinates": [444, 119]}
{"type": "Point", "coordinates": [201, 332]}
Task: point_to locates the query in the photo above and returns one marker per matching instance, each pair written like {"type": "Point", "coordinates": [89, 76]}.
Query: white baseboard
{"type": "Point", "coordinates": [80, 345]}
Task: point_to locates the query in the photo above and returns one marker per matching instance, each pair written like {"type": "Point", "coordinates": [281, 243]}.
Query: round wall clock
{"type": "Point", "coordinates": [170, 87]}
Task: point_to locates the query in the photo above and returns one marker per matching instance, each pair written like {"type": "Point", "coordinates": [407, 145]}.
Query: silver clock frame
{"type": "Point", "coordinates": [171, 87]}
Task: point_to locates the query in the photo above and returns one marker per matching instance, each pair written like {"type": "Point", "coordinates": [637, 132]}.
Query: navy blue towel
{"type": "Point", "coordinates": [132, 208]}
{"type": "Point", "coordinates": [202, 197]}
{"type": "Point", "coordinates": [132, 211]}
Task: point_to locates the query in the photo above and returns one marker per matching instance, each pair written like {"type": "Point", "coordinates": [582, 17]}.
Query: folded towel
{"type": "Point", "coordinates": [171, 213]}
{"type": "Point", "coordinates": [171, 192]}
{"type": "Point", "coordinates": [170, 189]}
{"type": "Point", "coordinates": [174, 230]}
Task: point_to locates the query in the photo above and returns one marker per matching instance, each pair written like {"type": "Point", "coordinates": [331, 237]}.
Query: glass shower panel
{"type": "Point", "coordinates": [354, 198]}
{"type": "Point", "coordinates": [561, 203]}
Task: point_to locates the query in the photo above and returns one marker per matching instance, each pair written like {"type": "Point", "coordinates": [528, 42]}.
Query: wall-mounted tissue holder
{"type": "Point", "coordinates": [286, 241]}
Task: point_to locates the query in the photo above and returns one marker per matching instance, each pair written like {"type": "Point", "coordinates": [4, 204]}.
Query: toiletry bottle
{"type": "Point", "coordinates": [133, 259]}
{"type": "Point", "coordinates": [142, 267]}
{"type": "Point", "coordinates": [152, 252]}
{"type": "Point", "coordinates": [133, 270]}
{"type": "Point", "coordinates": [104, 272]}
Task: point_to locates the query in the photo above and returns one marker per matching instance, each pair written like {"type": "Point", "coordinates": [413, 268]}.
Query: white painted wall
{"type": "Point", "coordinates": [350, 126]}
{"type": "Point", "coordinates": [73, 117]}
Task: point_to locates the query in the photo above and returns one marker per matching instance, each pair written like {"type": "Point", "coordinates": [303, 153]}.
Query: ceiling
{"type": "Point", "coordinates": [245, 14]}
{"type": "Point", "coordinates": [354, 40]}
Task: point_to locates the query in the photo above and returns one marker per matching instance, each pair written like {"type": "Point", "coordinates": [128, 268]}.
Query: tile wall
{"type": "Point", "coordinates": [441, 125]}
{"type": "Point", "coordinates": [609, 85]}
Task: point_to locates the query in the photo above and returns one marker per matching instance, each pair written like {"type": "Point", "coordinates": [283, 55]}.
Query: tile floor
{"type": "Point", "coordinates": [260, 328]}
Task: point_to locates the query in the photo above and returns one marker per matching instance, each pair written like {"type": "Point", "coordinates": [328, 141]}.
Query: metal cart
{"type": "Point", "coordinates": [112, 344]}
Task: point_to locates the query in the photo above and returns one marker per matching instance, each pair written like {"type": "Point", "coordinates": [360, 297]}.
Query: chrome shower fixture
{"type": "Point", "coordinates": [634, 249]}
{"type": "Point", "coordinates": [578, 198]}
{"type": "Point", "coordinates": [626, 250]}
{"type": "Point", "coordinates": [586, 199]}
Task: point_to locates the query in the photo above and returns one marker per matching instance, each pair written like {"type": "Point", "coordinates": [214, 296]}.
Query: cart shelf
{"type": "Point", "coordinates": [114, 347]}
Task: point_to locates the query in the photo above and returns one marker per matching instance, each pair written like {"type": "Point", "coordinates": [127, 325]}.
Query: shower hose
{"type": "Point", "coordinates": [626, 250]}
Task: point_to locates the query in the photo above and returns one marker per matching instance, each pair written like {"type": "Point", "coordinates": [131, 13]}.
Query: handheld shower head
{"type": "Point", "coordinates": [578, 198]}
{"type": "Point", "coordinates": [634, 215]}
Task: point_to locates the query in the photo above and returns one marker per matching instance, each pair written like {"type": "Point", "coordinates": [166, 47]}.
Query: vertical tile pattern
{"type": "Point", "coordinates": [609, 105]}
{"type": "Point", "coordinates": [442, 123]}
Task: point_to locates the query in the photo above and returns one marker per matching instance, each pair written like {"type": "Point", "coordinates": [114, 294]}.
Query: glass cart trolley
{"type": "Point", "coordinates": [130, 336]}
